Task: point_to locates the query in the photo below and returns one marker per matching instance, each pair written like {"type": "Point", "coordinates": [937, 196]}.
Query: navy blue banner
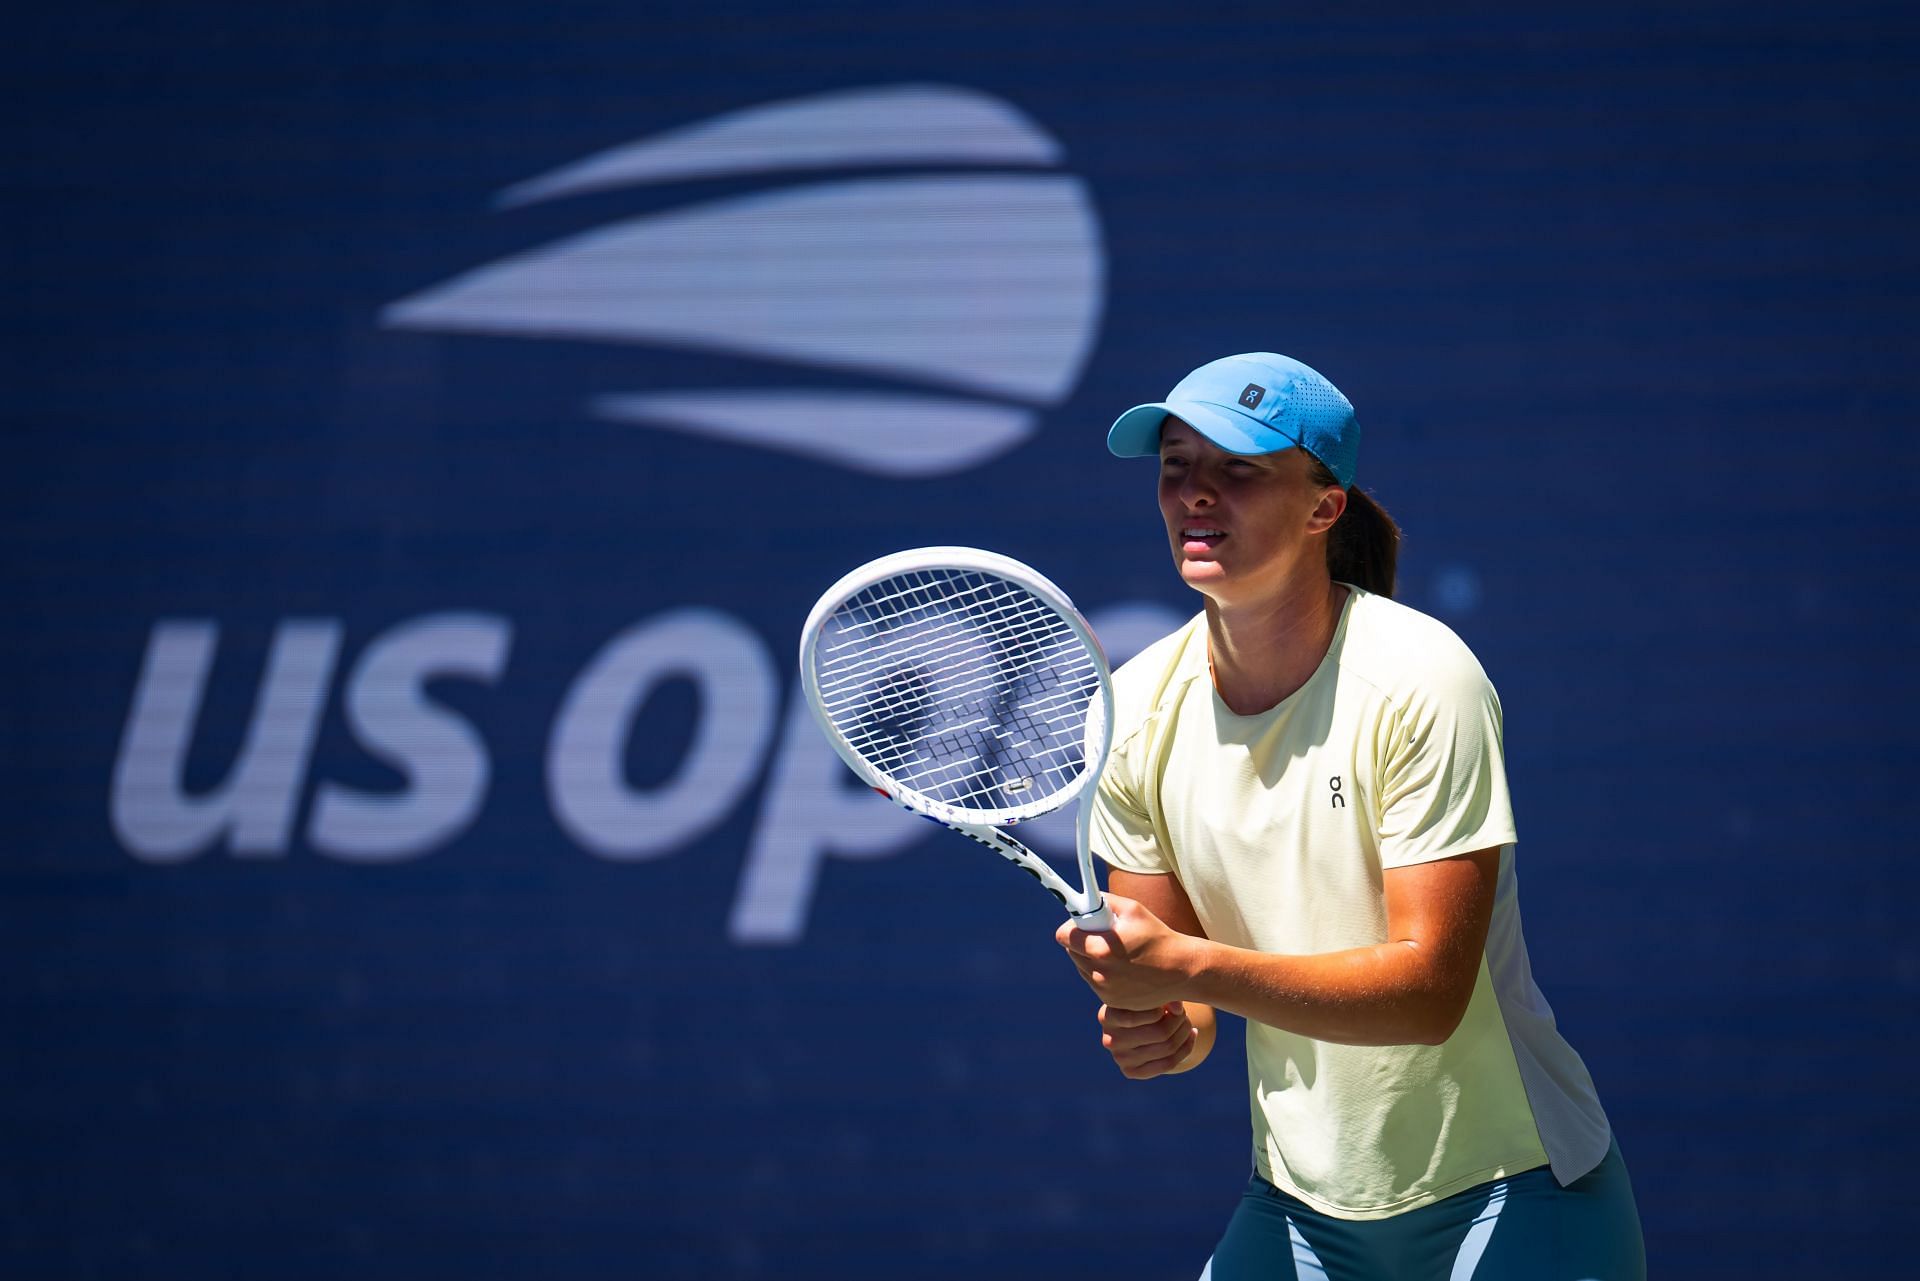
{"type": "Point", "coordinates": [427, 427]}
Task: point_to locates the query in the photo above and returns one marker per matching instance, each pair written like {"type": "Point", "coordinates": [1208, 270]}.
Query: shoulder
{"type": "Point", "coordinates": [1406, 655]}
{"type": "Point", "coordinates": [1157, 676]}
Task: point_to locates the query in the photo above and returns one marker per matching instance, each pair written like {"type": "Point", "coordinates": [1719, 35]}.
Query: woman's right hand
{"type": "Point", "coordinates": [1148, 1043]}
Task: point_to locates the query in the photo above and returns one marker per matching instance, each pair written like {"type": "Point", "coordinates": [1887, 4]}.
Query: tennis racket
{"type": "Point", "coordinates": [966, 687]}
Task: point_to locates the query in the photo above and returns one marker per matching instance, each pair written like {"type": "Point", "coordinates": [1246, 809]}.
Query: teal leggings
{"type": "Point", "coordinates": [1526, 1228]}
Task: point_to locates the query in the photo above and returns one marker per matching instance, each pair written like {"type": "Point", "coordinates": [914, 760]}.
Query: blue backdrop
{"type": "Point", "coordinates": [428, 424]}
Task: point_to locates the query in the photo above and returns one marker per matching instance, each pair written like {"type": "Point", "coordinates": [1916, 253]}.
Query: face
{"type": "Point", "coordinates": [1241, 527]}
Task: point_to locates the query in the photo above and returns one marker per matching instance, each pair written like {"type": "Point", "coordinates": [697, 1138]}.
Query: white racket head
{"type": "Point", "coordinates": [961, 683]}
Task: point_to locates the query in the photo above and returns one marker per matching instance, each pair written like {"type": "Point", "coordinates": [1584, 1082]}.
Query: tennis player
{"type": "Point", "coordinates": [1307, 820]}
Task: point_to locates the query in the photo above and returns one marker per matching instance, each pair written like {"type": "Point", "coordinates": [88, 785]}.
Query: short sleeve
{"type": "Point", "coordinates": [1123, 832]}
{"type": "Point", "coordinates": [1443, 779]}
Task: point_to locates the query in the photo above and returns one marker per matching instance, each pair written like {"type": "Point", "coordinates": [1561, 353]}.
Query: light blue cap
{"type": "Point", "coordinates": [1257, 403]}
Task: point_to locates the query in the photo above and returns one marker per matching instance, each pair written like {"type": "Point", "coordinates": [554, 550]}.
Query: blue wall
{"type": "Point", "coordinates": [415, 866]}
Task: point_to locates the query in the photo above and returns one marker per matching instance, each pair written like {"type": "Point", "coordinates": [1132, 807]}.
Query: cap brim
{"type": "Point", "coordinates": [1136, 433]}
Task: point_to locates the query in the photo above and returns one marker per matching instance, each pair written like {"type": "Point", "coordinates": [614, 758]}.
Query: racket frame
{"type": "Point", "coordinates": [1084, 903]}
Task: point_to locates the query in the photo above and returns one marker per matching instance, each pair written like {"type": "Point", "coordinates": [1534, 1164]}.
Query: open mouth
{"type": "Point", "coordinates": [1200, 538]}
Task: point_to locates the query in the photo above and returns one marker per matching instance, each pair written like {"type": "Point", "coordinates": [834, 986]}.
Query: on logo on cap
{"type": "Point", "coordinates": [1251, 396]}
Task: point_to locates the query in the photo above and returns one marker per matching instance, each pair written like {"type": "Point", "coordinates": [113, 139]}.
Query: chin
{"type": "Point", "coordinates": [1202, 575]}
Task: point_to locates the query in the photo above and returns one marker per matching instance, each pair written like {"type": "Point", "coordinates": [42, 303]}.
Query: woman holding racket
{"type": "Point", "coordinates": [1306, 816]}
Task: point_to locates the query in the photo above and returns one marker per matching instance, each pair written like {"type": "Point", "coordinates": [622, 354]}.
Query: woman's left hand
{"type": "Point", "coordinates": [1140, 964]}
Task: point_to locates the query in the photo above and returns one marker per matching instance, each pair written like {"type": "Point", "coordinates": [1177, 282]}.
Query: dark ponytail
{"type": "Point", "coordinates": [1363, 547]}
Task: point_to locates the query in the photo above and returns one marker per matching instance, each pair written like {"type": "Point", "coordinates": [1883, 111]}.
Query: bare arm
{"type": "Point", "coordinates": [1166, 1038]}
{"type": "Point", "coordinates": [1411, 989]}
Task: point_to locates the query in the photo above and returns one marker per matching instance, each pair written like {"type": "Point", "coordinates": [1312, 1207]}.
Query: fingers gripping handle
{"type": "Point", "coordinates": [1098, 919]}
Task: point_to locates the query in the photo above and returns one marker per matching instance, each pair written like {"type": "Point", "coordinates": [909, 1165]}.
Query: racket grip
{"type": "Point", "coordinates": [1095, 921]}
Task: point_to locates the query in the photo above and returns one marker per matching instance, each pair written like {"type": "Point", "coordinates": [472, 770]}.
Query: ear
{"type": "Point", "coordinates": [1325, 512]}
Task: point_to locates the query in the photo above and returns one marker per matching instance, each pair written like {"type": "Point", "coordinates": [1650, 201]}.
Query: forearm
{"type": "Point", "coordinates": [1385, 994]}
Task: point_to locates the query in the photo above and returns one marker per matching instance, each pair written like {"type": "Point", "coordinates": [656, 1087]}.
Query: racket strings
{"type": "Point", "coordinates": [945, 627]}
{"type": "Point", "coordinates": [960, 685]}
{"type": "Point", "coordinates": [1010, 613]}
{"type": "Point", "coordinates": [905, 693]}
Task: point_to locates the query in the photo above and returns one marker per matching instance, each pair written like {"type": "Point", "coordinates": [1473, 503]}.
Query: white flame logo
{"type": "Point", "coordinates": [984, 287]}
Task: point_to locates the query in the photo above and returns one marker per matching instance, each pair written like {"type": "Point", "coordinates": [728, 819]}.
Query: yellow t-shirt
{"type": "Point", "coordinates": [1279, 826]}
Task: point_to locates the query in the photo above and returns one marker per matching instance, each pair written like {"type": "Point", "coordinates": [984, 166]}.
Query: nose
{"type": "Point", "coordinates": [1194, 490]}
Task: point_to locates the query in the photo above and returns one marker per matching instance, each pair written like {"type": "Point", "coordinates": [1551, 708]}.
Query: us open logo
{"type": "Point", "coordinates": [957, 301]}
{"type": "Point", "coordinates": [982, 288]}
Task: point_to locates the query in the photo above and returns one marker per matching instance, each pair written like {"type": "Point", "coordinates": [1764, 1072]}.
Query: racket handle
{"type": "Point", "coordinates": [1096, 921]}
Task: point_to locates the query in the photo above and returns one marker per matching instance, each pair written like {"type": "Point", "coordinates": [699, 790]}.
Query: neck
{"type": "Point", "coordinates": [1264, 651]}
